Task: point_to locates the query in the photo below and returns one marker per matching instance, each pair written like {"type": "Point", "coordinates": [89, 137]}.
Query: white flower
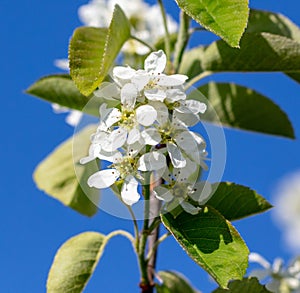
{"type": "Point", "coordinates": [278, 278]}
{"type": "Point", "coordinates": [287, 211]}
{"type": "Point", "coordinates": [74, 116]}
{"type": "Point", "coordinates": [98, 13]}
{"type": "Point", "coordinates": [151, 81]}
{"type": "Point", "coordinates": [179, 140]}
{"type": "Point", "coordinates": [125, 168]}
{"type": "Point", "coordinates": [180, 187]}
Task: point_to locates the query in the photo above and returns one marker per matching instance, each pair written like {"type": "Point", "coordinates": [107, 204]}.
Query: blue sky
{"type": "Point", "coordinates": [33, 225]}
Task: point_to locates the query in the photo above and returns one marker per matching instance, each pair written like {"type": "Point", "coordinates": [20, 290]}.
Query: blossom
{"type": "Point", "coordinates": [154, 85]}
{"type": "Point", "coordinates": [279, 279]}
{"type": "Point", "coordinates": [98, 13]}
{"type": "Point", "coordinates": [181, 188]}
{"type": "Point", "coordinates": [287, 211]}
{"type": "Point", "coordinates": [125, 168]}
{"type": "Point", "coordinates": [73, 117]}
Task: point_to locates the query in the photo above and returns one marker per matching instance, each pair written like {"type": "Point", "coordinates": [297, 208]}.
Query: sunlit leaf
{"type": "Point", "coordinates": [92, 51]}
{"type": "Point", "coordinates": [235, 201]}
{"type": "Point", "coordinates": [259, 52]}
{"type": "Point", "coordinates": [212, 242]}
{"type": "Point", "coordinates": [75, 262]}
{"type": "Point", "coordinates": [226, 18]}
{"type": "Point", "coordinates": [243, 108]}
{"type": "Point", "coordinates": [56, 174]}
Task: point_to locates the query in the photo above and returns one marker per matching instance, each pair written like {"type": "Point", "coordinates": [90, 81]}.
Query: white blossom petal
{"type": "Point", "coordinates": [128, 95]}
{"type": "Point", "coordinates": [171, 80]}
{"type": "Point", "coordinates": [146, 115]}
{"type": "Point", "coordinates": [74, 118]}
{"type": "Point", "coordinates": [108, 91]}
{"type": "Point", "coordinates": [189, 208]}
{"type": "Point", "coordinates": [129, 191]}
{"type": "Point", "coordinates": [155, 94]}
{"type": "Point", "coordinates": [177, 159]}
{"type": "Point", "coordinates": [202, 192]}
{"type": "Point", "coordinates": [133, 136]}
{"type": "Point", "coordinates": [123, 74]}
{"type": "Point", "coordinates": [113, 116]}
{"type": "Point", "coordinates": [186, 141]}
{"type": "Point", "coordinates": [152, 161]}
{"type": "Point", "coordinates": [195, 106]}
{"type": "Point", "coordinates": [140, 79]}
{"type": "Point", "coordinates": [151, 136]}
{"type": "Point", "coordinates": [104, 178]}
{"type": "Point", "coordinates": [116, 139]}
{"type": "Point", "coordinates": [255, 257]}
{"type": "Point", "coordinates": [94, 150]}
{"type": "Point", "coordinates": [174, 95]}
{"type": "Point", "coordinates": [162, 112]}
{"type": "Point", "coordinates": [163, 193]}
{"type": "Point", "coordinates": [156, 62]}
{"type": "Point", "coordinates": [188, 119]}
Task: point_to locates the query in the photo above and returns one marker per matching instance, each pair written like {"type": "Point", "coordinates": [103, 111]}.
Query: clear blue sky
{"type": "Point", "coordinates": [33, 225]}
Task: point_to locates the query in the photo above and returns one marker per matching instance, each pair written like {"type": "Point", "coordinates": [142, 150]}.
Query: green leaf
{"type": "Point", "coordinates": [61, 175]}
{"type": "Point", "coordinates": [235, 201]}
{"type": "Point", "coordinates": [243, 108]}
{"type": "Point", "coordinates": [92, 51]}
{"type": "Point", "coordinates": [273, 23]}
{"type": "Point", "coordinates": [212, 242]}
{"type": "Point", "coordinates": [226, 18]}
{"type": "Point", "coordinates": [75, 262]}
{"type": "Point", "coordinates": [173, 282]}
{"type": "Point", "coordinates": [259, 52]}
{"type": "Point", "coordinates": [249, 285]}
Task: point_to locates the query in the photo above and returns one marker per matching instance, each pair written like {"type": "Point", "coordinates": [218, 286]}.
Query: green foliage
{"type": "Point", "coordinates": [235, 201]}
{"type": "Point", "coordinates": [92, 51]}
{"type": "Point", "coordinates": [173, 282]}
{"type": "Point", "coordinates": [226, 18]}
{"type": "Point", "coordinates": [75, 262]}
{"type": "Point", "coordinates": [249, 285]}
{"type": "Point", "coordinates": [240, 107]}
{"type": "Point", "coordinates": [56, 175]}
{"type": "Point", "coordinates": [212, 242]}
{"type": "Point", "coordinates": [273, 23]}
{"type": "Point", "coordinates": [259, 52]}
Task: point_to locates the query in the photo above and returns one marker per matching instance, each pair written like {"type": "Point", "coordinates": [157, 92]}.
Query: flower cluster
{"type": "Point", "coordinates": [148, 132]}
{"type": "Point", "coordinates": [279, 279]}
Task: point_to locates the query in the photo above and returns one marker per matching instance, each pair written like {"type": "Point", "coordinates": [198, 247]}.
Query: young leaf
{"type": "Point", "coordinates": [75, 262]}
{"type": "Point", "coordinates": [235, 201]}
{"type": "Point", "coordinates": [56, 175]}
{"type": "Point", "coordinates": [241, 107]}
{"type": "Point", "coordinates": [226, 18]}
{"type": "Point", "coordinates": [259, 52]}
{"type": "Point", "coordinates": [92, 51]}
{"type": "Point", "coordinates": [249, 285]}
{"type": "Point", "coordinates": [173, 282]}
{"type": "Point", "coordinates": [273, 23]}
{"type": "Point", "coordinates": [59, 89]}
{"type": "Point", "coordinates": [212, 242]}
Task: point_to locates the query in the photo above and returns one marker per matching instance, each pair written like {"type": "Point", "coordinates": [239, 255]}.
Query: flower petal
{"type": "Point", "coordinates": [174, 95]}
{"type": "Point", "coordinates": [196, 106]}
{"type": "Point", "coordinates": [151, 136]}
{"type": "Point", "coordinates": [93, 153]}
{"type": "Point", "coordinates": [108, 91]}
{"type": "Point", "coordinates": [103, 179]}
{"type": "Point", "coordinates": [155, 94]}
{"type": "Point", "coordinates": [140, 79]}
{"type": "Point", "coordinates": [116, 139]}
{"type": "Point", "coordinates": [189, 208]}
{"type": "Point", "coordinates": [129, 191]}
{"type": "Point", "coordinates": [171, 80]}
{"type": "Point", "coordinates": [152, 161]}
{"type": "Point", "coordinates": [163, 193]}
{"type": "Point", "coordinates": [123, 74]}
{"type": "Point", "coordinates": [177, 159]}
{"type": "Point", "coordinates": [188, 119]}
{"type": "Point", "coordinates": [156, 62]}
{"type": "Point", "coordinates": [146, 115]}
{"type": "Point", "coordinates": [113, 116]}
{"type": "Point", "coordinates": [186, 141]}
{"type": "Point", "coordinates": [162, 112]}
{"type": "Point", "coordinates": [128, 95]}
{"type": "Point", "coordinates": [133, 136]}
{"type": "Point", "coordinates": [202, 192]}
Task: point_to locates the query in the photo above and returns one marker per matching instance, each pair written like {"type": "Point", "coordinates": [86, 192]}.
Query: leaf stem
{"type": "Point", "coordinates": [197, 78]}
{"type": "Point", "coordinates": [167, 34]}
{"type": "Point", "coordinates": [182, 40]}
{"type": "Point", "coordinates": [143, 43]}
{"type": "Point", "coordinates": [157, 243]}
